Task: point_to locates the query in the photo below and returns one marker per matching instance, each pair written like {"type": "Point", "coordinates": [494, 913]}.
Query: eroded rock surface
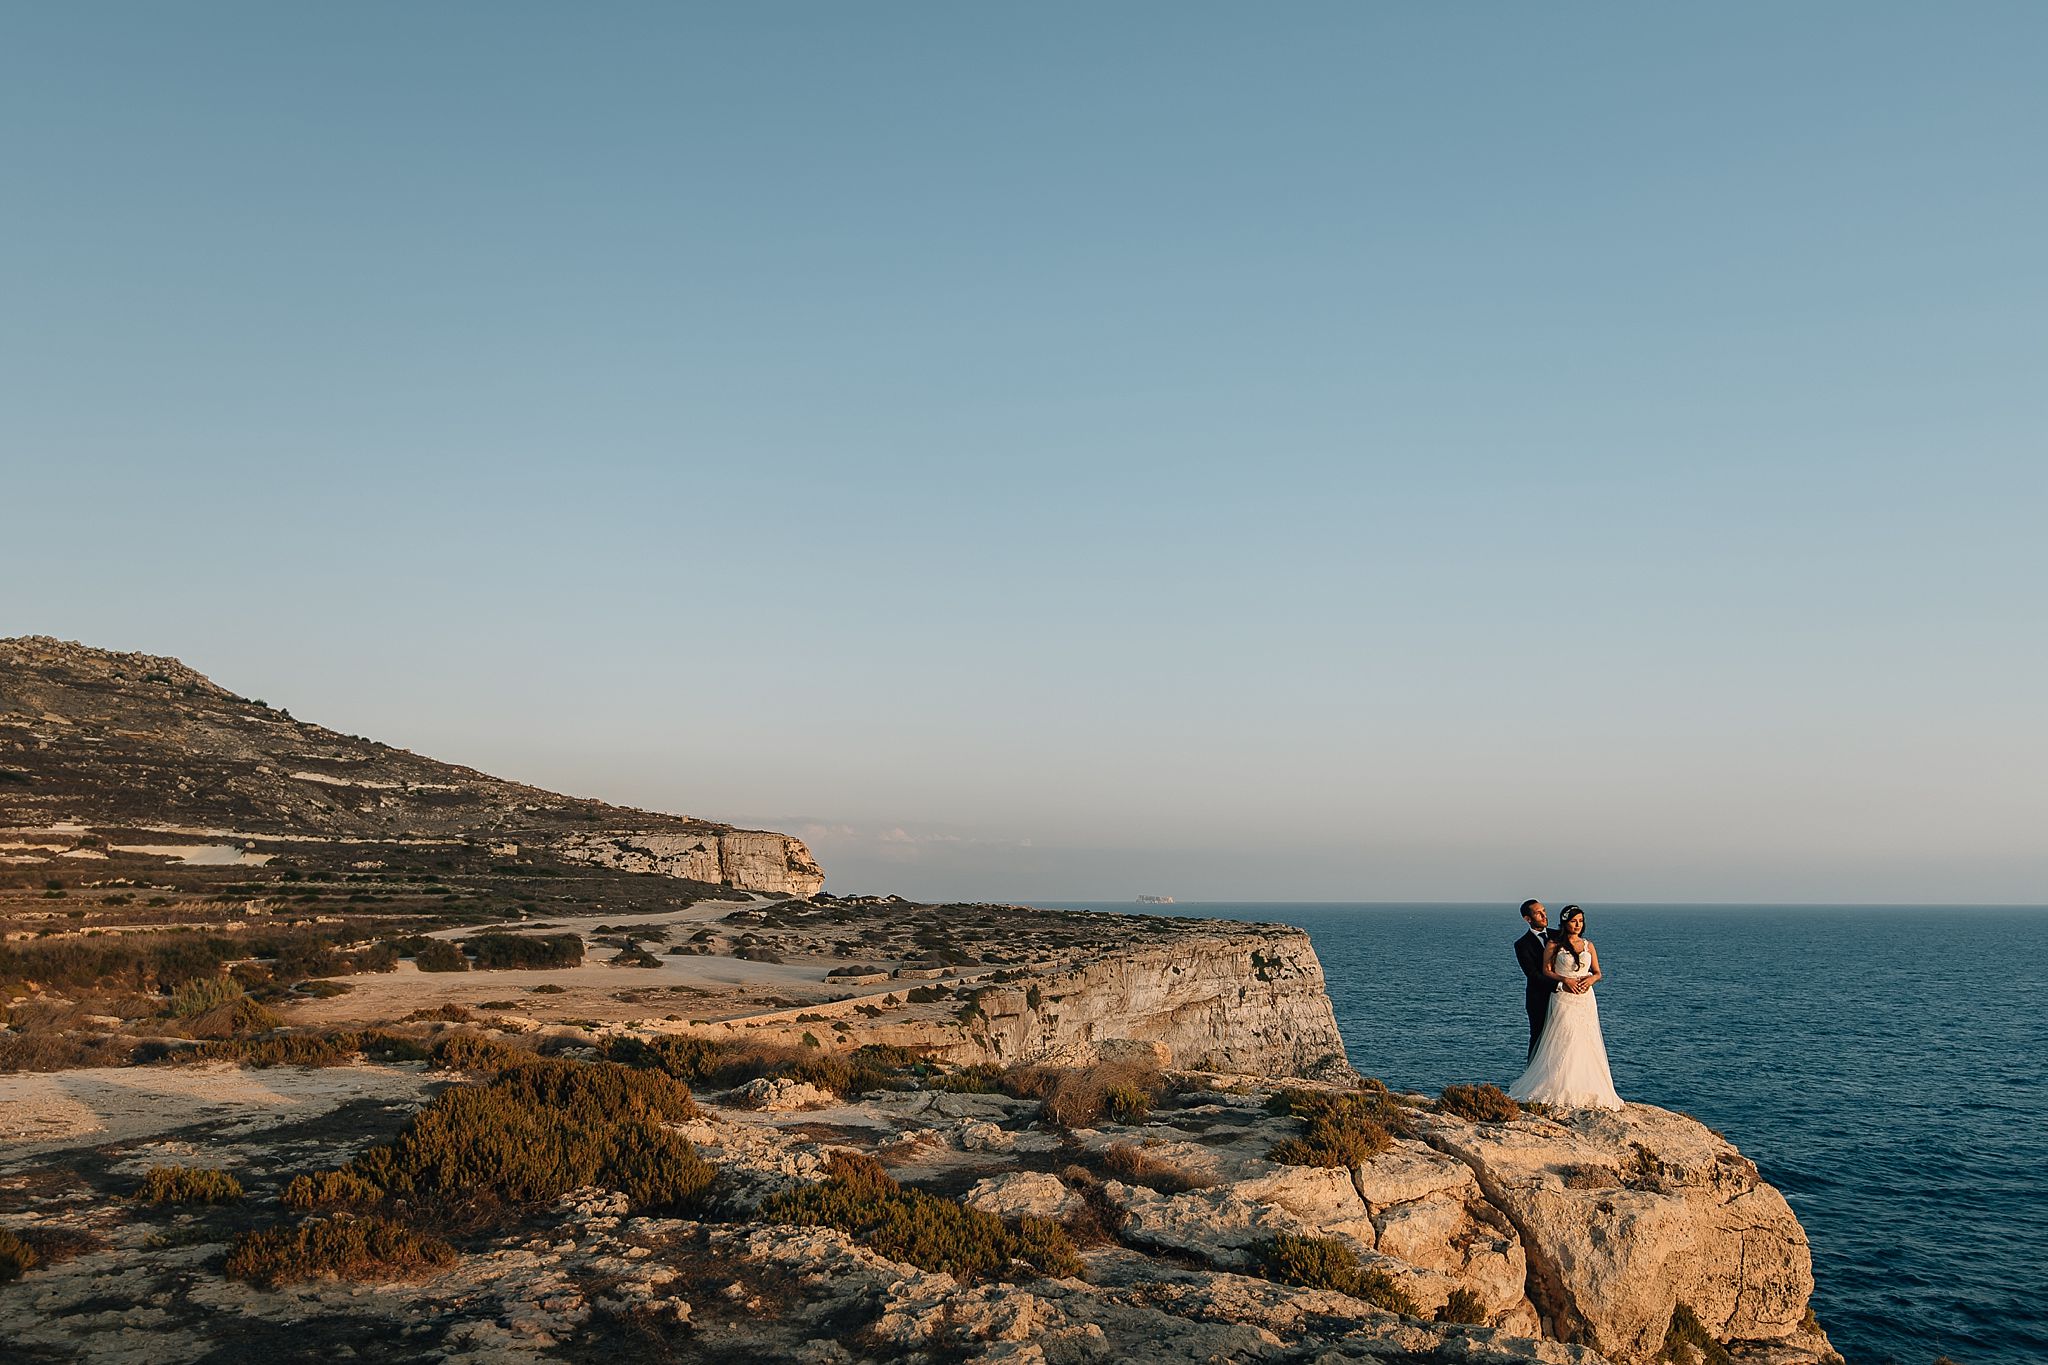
{"type": "Point", "coordinates": [1573, 1240]}
{"type": "Point", "coordinates": [1625, 1215]}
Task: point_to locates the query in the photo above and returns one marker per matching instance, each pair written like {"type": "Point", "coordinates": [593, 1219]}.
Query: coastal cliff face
{"type": "Point", "coordinates": [1203, 995]}
{"type": "Point", "coordinates": [1250, 999]}
{"type": "Point", "coordinates": [120, 744]}
{"type": "Point", "coordinates": [753, 859]}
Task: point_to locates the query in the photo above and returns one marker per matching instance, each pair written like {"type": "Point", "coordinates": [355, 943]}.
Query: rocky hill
{"type": "Point", "coordinates": [133, 746]}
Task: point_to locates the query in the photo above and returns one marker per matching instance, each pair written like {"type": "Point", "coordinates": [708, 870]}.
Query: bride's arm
{"type": "Point", "coordinates": [1593, 954]}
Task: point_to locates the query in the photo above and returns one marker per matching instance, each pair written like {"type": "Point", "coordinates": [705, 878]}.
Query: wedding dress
{"type": "Point", "coordinates": [1570, 1066]}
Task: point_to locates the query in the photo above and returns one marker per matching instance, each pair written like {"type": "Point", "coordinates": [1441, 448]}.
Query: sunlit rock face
{"type": "Point", "coordinates": [753, 860]}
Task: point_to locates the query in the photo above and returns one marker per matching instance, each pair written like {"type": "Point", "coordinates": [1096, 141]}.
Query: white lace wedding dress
{"type": "Point", "coordinates": [1570, 1066]}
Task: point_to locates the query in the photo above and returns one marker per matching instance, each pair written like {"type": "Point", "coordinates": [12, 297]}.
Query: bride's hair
{"type": "Point", "coordinates": [1564, 925]}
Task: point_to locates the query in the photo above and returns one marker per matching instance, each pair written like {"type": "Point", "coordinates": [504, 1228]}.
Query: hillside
{"type": "Point", "coordinates": [133, 747]}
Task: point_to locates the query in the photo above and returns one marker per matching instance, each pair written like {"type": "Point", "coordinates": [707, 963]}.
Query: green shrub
{"type": "Point", "coordinates": [1326, 1263]}
{"type": "Point", "coordinates": [1478, 1103]}
{"type": "Point", "coordinates": [860, 1199]}
{"type": "Point", "coordinates": [540, 1130]}
{"type": "Point", "coordinates": [16, 1257]}
{"type": "Point", "coordinates": [1344, 1130]}
{"type": "Point", "coordinates": [1464, 1307]}
{"type": "Point", "coordinates": [337, 1248]}
{"type": "Point", "coordinates": [1688, 1342]}
{"type": "Point", "coordinates": [525, 950]}
{"type": "Point", "coordinates": [329, 1189]}
{"type": "Point", "coordinates": [187, 1185]}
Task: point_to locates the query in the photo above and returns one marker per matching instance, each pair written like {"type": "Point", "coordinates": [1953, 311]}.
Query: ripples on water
{"type": "Point", "coordinates": [1885, 1066]}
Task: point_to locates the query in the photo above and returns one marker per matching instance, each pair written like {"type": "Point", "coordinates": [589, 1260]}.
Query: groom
{"type": "Point", "coordinates": [1529, 950]}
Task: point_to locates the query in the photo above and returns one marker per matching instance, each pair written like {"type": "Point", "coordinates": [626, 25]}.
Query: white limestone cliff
{"type": "Point", "coordinates": [752, 860]}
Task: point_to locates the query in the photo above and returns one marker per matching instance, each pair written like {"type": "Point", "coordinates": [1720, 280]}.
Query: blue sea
{"type": "Point", "coordinates": [1885, 1066]}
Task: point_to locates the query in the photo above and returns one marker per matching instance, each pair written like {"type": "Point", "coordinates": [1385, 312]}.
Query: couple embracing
{"type": "Point", "coordinates": [1567, 1056]}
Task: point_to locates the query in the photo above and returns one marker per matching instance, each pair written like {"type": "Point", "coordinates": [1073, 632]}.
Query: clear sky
{"type": "Point", "coordinates": [1351, 451]}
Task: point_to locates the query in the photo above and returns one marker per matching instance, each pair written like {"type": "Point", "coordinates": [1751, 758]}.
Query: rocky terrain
{"type": "Point", "coordinates": [1567, 1238]}
{"type": "Point", "coordinates": [402, 1068]}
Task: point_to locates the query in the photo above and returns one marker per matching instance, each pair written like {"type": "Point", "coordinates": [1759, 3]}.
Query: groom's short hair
{"type": "Point", "coordinates": [1529, 905]}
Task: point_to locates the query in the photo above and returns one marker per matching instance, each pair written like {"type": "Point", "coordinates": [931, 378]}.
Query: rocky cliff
{"type": "Point", "coordinates": [141, 744]}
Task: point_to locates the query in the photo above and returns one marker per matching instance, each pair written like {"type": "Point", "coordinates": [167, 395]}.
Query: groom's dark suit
{"type": "Point", "coordinates": [1529, 949]}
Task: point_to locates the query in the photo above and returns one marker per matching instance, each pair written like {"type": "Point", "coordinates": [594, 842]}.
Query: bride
{"type": "Point", "coordinates": [1569, 1068]}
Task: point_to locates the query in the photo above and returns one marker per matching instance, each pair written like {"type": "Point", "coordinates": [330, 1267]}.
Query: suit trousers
{"type": "Point", "coordinates": [1537, 998]}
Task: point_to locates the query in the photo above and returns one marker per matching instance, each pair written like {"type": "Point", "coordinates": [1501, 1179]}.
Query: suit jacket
{"type": "Point", "coordinates": [1529, 952]}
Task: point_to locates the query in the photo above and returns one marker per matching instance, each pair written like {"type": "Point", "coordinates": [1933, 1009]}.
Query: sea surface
{"type": "Point", "coordinates": [1885, 1066]}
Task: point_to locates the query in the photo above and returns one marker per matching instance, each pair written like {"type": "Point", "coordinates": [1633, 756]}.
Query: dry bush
{"type": "Point", "coordinates": [203, 993]}
{"type": "Point", "coordinates": [474, 1052]}
{"type": "Point", "coordinates": [983, 1078]}
{"type": "Point", "coordinates": [57, 1050]}
{"type": "Point", "coordinates": [1133, 1165]}
{"type": "Point", "coordinates": [722, 1064]}
{"type": "Point", "coordinates": [444, 1014]}
{"type": "Point", "coordinates": [16, 1257]}
{"type": "Point", "coordinates": [339, 1248]}
{"type": "Point", "coordinates": [329, 1189]}
{"type": "Point", "coordinates": [1344, 1129]}
{"type": "Point", "coordinates": [1326, 1263]}
{"type": "Point", "coordinates": [1465, 1307]}
{"type": "Point", "coordinates": [236, 1018]}
{"type": "Point", "coordinates": [1080, 1097]}
{"type": "Point", "coordinates": [861, 1199]}
{"type": "Point", "coordinates": [439, 955]}
{"type": "Point", "coordinates": [540, 1130]}
{"type": "Point", "coordinates": [187, 1185]}
{"type": "Point", "coordinates": [336, 1048]}
{"type": "Point", "coordinates": [1478, 1104]}
{"type": "Point", "coordinates": [56, 1245]}
{"type": "Point", "coordinates": [532, 951]}
{"type": "Point", "coordinates": [1687, 1341]}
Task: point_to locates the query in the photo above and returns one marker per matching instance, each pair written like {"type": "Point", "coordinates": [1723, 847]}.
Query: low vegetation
{"type": "Point", "coordinates": [337, 1047]}
{"type": "Point", "coordinates": [367, 1248]}
{"type": "Point", "coordinates": [1688, 1342]}
{"type": "Point", "coordinates": [329, 1189]}
{"type": "Point", "coordinates": [861, 1199]}
{"type": "Point", "coordinates": [722, 1064]}
{"type": "Point", "coordinates": [537, 1131]}
{"type": "Point", "coordinates": [1344, 1128]}
{"type": "Point", "coordinates": [16, 1257]}
{"type": "Point", "coordinates": [497, 951]}
{"type": "Point", "coordinates": [1464, 1307]}
{"type": "Point", "coordinates": [1135, 1165]}
{"type": "Point", "coordinates": [188, 1185]}
{"type": "Point", "coordinates": [1478, 1104]}
{"type": "Point", "coordinates": [1081, 1097]}
{"type": "Point", "coordinates": [1327, 1263]}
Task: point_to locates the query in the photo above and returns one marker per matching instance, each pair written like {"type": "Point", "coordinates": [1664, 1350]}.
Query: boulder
{"type": "Point", "coordinates": [1033, 1193]}
{"type": "Point", "coordinates": [776, 1094]}
{"type": "Point", "coordinates": [1623, 1216]}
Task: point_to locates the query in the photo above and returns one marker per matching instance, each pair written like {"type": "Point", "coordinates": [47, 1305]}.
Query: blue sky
{"type": "Point", "coordinates": [1314, 451]}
